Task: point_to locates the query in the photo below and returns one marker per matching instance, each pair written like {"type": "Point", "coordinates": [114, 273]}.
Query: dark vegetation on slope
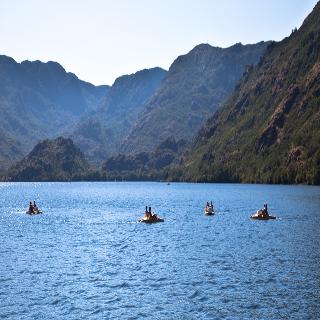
{"type": "Point", "coordinates": [144, 165]}
{"type": "Point", "coordinates": [268, 131]}
{"type": "Point", "coordinates": [51, 160]}
{"type": "Point", "coordinates": [61, 160]}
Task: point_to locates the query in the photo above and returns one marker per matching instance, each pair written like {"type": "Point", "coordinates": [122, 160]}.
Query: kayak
{"type": "Point", "coordinates": [151, 221]}
{"type": "Point", "coordinates": [258, 216]}
{"type": "Point", "coordinates": [32, 213]}
{"type": "Point", "coordinates": [209, 211]}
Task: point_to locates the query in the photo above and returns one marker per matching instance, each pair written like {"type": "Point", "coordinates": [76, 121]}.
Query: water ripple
{"type": "Point", "coordinates": [71, 263]}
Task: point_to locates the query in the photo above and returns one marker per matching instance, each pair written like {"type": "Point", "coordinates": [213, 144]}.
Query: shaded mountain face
{"type": "Point", "coordinates": [269, 129]}
{"type": "Point", "coordinates": [50, 160]}
{"type": "Point", "coordinates": [39, 100]}
{"type": "Point", "coordinates": [144, 165]}
{"type": "Point", "coordinates": [101, 134]}
{"type": "Point", "coordinates": [195, 86]}
{"type": "Point", "coordinates": [10, 150]}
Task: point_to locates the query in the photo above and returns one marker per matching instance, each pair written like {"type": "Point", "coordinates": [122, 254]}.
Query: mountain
{"type": "Point", "coordinates": [269, 129]}
{"type": "Point", "coordinates": [10, 150]}
{"type": "Point", "coordinates": [50, 160]}
{"type": "Point", "coordinates": [39, 100]}
{"type": "Point", "coordinates": [101, 134]}
{"type": "Point", "coordinates": [144, 165]}
{"type": "Point", "coordinates": [195, 86]}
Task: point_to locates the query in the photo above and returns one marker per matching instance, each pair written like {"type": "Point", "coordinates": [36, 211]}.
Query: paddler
{"type": "Point", "coordinates": [35, 208]}
{"type": "Point", "coordinates": [31, 208]}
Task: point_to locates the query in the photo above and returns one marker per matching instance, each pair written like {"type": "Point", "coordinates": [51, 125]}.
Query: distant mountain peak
{"type": "Point", "coordinates": [141, 73]}
{"type": "Point", "coordinates": [7, 59]}
{"type": "Point", "coordinates": [203, 46]}
{"type": "Point", "coordinates": [51, 68]}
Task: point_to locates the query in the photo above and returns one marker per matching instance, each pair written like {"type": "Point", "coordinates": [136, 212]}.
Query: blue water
{"type": "Point", "coordinates": [87, 258]}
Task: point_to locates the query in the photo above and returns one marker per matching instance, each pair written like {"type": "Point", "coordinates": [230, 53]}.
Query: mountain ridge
{"type": "Point", "coordinates": [38, 100]}
{"type": "Point", "coordinates": [195, 86]}
{"type": "Point", "coordinates": [268, 130]}
{"type": "Point", "coordinates": [99, 135]}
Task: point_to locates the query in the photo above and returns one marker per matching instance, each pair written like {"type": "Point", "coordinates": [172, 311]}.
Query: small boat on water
{"type": "Point", "coordinates": [259, 216]}
{"type": "Point", "coordinates": [149, 217]}
{"type": "Point", "coordinates": [262, 214]}
{"type": "Point", "coordinates": [209, 209]}
{"type": "Point", "coordinates": [33, 208]}
{"type": "Point", "coordinates": [144, 220]}
{"type": "Point", "coordinates": [34, 212]}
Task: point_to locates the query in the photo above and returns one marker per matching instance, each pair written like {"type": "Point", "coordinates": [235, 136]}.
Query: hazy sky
{"type": "Point", "coordinates": [101, 40]}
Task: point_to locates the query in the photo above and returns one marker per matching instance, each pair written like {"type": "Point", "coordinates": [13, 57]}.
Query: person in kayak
{"type": "Point", "coordinates": [263, 213]}
{"type": "Point", "coordinates": [31, 208]}
{"type": "Point", "coordinates": [35, 208]}
{"type": "Point", "coordinates": [209, 206]}
{"type": "Point", "coordinates": [148, 214]}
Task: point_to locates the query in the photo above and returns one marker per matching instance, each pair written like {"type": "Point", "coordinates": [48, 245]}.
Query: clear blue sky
{"type": "Point", "coordinates": [100, 40]}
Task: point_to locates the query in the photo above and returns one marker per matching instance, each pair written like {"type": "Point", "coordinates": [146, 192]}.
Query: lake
{"type": "Point", "coordinates": [86, 257]}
